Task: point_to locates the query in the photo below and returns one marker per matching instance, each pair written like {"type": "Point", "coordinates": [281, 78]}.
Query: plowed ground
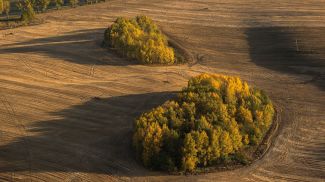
{"type": "Point", "coordinates": [67, 106]}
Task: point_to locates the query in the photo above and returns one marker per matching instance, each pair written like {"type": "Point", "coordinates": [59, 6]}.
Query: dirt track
{"type": "Point", "coordinates": [67, 106]}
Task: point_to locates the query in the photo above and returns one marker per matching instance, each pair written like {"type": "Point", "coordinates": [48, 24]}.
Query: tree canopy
{"type": "Point", "coordinates": [27, 10]}
{"type": "Point", "coordinates": [213, 118]}
{"type": "Point", "coordinates": [139, 38]}
{"type": "Point", "coordinates": [41, 5]}
{"type": "Point", "coordinates": [4, 7]}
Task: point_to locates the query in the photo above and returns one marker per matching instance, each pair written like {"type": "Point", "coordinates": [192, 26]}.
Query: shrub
{"type": "Point", "coordinates": [27, 10]}
{"type": "Point", "coordinates": [41, 5]}
{"type": "Point", "coordinates": [140, 39]}
{"type": "Point", "coordinates": [59, 3]}
{"type": "Point", "coordinates": [211, 120]}
{"type": "Point", "coordinates": [1, 6]}
{"type": "Point", "coordinates": [6, 7]}
{"type": "Point", "coordinates": [73, 3]}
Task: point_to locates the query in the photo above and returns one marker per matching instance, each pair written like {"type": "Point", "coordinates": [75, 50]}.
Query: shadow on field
{"type": "Point", "coordinates": [93, 137]}
{"type": "Point", "coordinates": [81, 47]}
{"type": "Point", "coordinates": [299, 51]}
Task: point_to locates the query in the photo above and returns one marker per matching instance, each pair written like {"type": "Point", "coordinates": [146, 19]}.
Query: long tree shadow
{"type": "Point", "coordinates": [299, 51]}
{"type": "Point", "coordinates": [81, 47]}
{"type": "Point", "coordinates": [93, 137]}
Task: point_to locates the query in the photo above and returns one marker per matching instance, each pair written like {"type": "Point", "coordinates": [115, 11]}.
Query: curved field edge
{"type": "Point", "coordinates": [179, 49]}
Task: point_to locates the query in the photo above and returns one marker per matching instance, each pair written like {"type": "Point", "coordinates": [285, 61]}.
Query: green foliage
{"type": "Point", "coordinates": [73, 3]}
{"type": "Point", "coordinates": [190, 151]}
{"type": "Point", "coordinates": [93, 1]}
{"type": "Point", "coordinates": [6, 7]}
{"type": "Point", "coordinates": [211, 121]}
{"type": "Point", "coordinates": [59, 3]}
{"type": "Point", "coordinates": [241, 158]}
{"type": "Point", "coordinates": [140, 39]}
{"type": "Point", "coordinates": [41, 5]}
{"type": "Point", "coordinates": [27, 10]}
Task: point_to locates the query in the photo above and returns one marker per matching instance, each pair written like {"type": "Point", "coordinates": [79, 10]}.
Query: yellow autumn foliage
{"type": "Point", "coordinates": [140, 39]}
{"type": "Point", "coordinates": [210, 121]}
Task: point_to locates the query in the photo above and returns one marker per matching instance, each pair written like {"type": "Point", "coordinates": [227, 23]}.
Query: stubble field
{"type": "Point", "coordinates": [67, 105]}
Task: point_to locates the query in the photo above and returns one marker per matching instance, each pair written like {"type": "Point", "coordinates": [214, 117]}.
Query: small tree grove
{"type": "Point", "coordinates": [41, 5]}
{"type": "Point", "coordinates": [59, 3]}
{"type": "Point", "coordinates": [73, 3]}
{"type": "Point", "coordinates": [5, 7]}
{"type": "Point", "coordinates": [27, 10]}
{"type": "Point", "coordinates": [211, 120]}
{"type": "Point", "coordinates": [1, 6]}
{"type": "Point", "coordinates": [140, 39]}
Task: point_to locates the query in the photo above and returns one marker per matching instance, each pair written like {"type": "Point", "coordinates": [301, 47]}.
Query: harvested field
{"type": "Point", "coordinates": [67, 105]}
